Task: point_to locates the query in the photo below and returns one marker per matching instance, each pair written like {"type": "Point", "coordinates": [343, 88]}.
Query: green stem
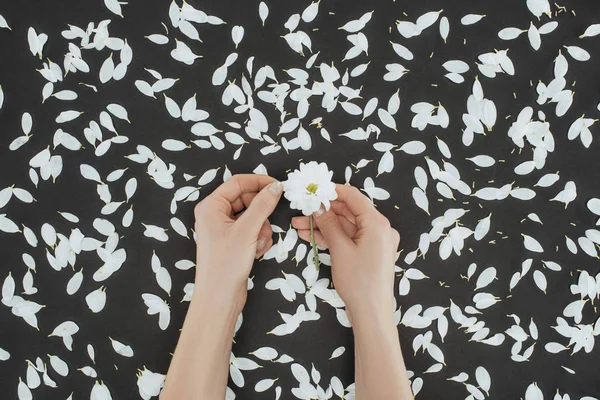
{"type": "Point", "coordinates": [314, 245]}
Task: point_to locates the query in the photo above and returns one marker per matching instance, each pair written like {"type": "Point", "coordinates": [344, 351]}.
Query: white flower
{"type": "Point", "coordinates": [309, 187]}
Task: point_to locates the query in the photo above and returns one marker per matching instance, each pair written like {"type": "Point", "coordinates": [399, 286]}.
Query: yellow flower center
{"type": "Point", "coordinates": [312, 188]}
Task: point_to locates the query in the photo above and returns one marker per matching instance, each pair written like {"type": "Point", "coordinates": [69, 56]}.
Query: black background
{"type": "Point", "coordinates": [124, 317]}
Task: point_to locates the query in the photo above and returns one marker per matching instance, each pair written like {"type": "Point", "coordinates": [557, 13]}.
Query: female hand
{"type": "Point", "coordinates": [363, 251]}
{"type": "Point", "coordinates": [232, 230]}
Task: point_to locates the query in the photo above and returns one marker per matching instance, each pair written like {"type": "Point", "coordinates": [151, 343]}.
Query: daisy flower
{"type": "Point", "coordinates": [308, 188]}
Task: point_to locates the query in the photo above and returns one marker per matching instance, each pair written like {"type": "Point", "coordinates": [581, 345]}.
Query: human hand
{"type": "Point", "coordinates": [363, 251]}
{"type": "Point", "coordinates": [232, 229]}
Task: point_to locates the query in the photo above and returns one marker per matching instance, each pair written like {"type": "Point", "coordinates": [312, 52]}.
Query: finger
{"type": "Point", "coordinates": [260, 208]}
{"type": "Point", "coordinates": [240, 184]}
{"type": "Point", "coordinates": [331, 228]}
{"type": "Point", "coordinates": [342, 209]}
{"type": "Point", "coordinates": [358, 204]}
{"type": "Point", "coordinates": [262, 252]}
{"type": "Point", "coordinates": [264, 235]}
{"type": "Point", "coordinates": [242, 202]}
{"type": "Point", "coordinates": [304, 234]}
{"type": "Point", "coordinates": [301, 222]}
{"type": "Point", "coordinates": [304, 223]}
{"type": "Point", "coordinates": [348, 226]}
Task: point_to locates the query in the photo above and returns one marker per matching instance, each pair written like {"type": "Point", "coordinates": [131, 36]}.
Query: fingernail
{"type": "Point", "coordinates": [262, 242]}
{"type": "Point", "coordinates": [320, 211]}
{"type": "Point", "coordinates": [276, 188]}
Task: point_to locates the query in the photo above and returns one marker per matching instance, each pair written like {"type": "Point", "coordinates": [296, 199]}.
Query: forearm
{"type": "Point", "coordinates": [200, 365]}
{"type": "Point", "coordinates": [380, 370]}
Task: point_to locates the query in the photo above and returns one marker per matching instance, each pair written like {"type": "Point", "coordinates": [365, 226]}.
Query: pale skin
{"type": "Point", "coordinates": [363, 247]}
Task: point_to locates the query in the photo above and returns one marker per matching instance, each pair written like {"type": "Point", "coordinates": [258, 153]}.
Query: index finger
{"type": "Point", "coordinates": [241, 184]}
{"type": "Point", "coordinates": [358, 204]}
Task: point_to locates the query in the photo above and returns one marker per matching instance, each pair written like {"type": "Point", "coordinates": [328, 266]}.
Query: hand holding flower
{"type": "Point", "coordinates": [363, 251]}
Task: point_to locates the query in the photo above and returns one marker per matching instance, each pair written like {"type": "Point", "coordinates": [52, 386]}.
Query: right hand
{"type": "Point", "coordinates": [363, 249]}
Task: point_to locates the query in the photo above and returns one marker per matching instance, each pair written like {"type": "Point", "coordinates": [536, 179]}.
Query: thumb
{"type": "Point", "coordinates": [331, 228]}
{"type": "Point", "coordinates": [261, 207]}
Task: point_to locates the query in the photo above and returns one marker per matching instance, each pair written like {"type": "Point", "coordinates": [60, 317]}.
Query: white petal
{"type": "Point", "coordinates": [264, 384]}
{"type": "Point", "coordinates": [587, 246]}
{"type": "Point", "coordinates": [114, 6]}
{"type": "Point", "coordinates": [427, 19]}
{"type": "Point", "coordinates": [107, 70]}
{"type": "Point", "coordinates": [144, 87]}
{"type": "Point", "coordinates": [482, 228]}
{"type": "Point", "coordinates": [172, 107]}
{"type": "Point", "coordinates": [75, 283]}
{"type": "Point", "coordinates": [179, 227]}
{"type": "Point", "coordinates": [158, 39]}
{"type": "Point", "coordinates": [96, 300]}
{"type": "Point", "coordinates": [122, 349]}
{"type": "Point", "coordinates": [300, 373]}
{"type": "Point", "coordinates": [413, 147]}
{"type": "Point", "coordinates": [578, 53]}
{"type": "Point", "coordinates": [394, 103]}
{"type": "Point", "coordinates": [594, 206]}
{"type": "Point", "coordinates": [370, 107]}
{"type": "Point", "coordinates": [263, 11]}
{"type": "Point", "coordinates": [534, 37]}
{"type": "Point", "coordinates": [444, 28]}
{"type": "Point", "coordinates": [100, 392]}
{"type": "Point", "coordinates": [510, 33]}
{"type": "Point", "coordinates": [540, 280]}
{"type": "Point", "coordinates": [7, 225]}
{"type": "Point", "coordinates": [548, 27]}
{"type": "Point", "coordinates": [59, 365]}
{"type": "Point", "coordinates": [457, 66]}
{"type": "Point", "coordinates": [337, 352]}
{"type": "Point", "coordinates": [8, 289]}
{"type": "Point", "coordinates": [265, 353]}
{"type": "Point", "coordinates": [23, 391]}
{"type": "Point", "coordinates": [386, 118]}
{"type": "Point", "coordinates": [482, 161]}
{"type": "Point", "coordinates": [26, 123]}
{"type": "Point", "coordinates": [174, 145]}
{"type": "Point", "coordinates": [420, 199]}
{"type": "Point", "coordinates": [483, 379]}
{"type": "Point", "coordinates": [485, 278]}
{"type": "Point", "coordinates": [547, 180]}
{"type": "Point", "coordinates": [471, 19]}
{"type": "Point", "coordinates": [89, 172]}
{"type": "Point", "coordinates": [531, 244]}
{"type": "Point", "coordinates": [402, 51]}
{"type": "Point", "coordinates": [553, 347]}
{"type": "Point", "coordinates": [592, 30]}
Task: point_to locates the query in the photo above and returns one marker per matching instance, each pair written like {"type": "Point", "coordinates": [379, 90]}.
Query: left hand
{"type": "Point", "coordinates": [232, 229]}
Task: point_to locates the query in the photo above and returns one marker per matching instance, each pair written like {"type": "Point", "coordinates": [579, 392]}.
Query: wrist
{"type": "Point", "coordinates": [216, 303]}
{"type": "Point", "coordinates": [381, 316]}
{"type": "Point", "coordinates": [218, 290]}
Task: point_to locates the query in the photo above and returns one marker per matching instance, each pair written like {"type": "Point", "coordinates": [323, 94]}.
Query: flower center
{"type": "Point", "coordinates": [312, 188]}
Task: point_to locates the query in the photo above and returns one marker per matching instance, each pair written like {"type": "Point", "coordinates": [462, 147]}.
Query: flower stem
{"type": "Point", "coordinates": [312, 242]}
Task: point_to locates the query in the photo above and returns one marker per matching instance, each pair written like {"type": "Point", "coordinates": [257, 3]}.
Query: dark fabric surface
{"type": "Point", "coordinates": [125, 318]}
